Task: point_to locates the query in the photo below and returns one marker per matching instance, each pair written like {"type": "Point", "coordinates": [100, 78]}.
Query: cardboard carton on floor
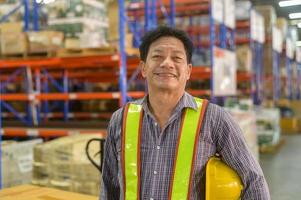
{"type": "Point", "coordinates": [29, 192]}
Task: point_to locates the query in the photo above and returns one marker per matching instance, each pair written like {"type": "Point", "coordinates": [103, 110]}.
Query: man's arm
{"type": "Point", "coordinates": [110, 189]}
{"type": "Point", "coordinates": [234, 151]}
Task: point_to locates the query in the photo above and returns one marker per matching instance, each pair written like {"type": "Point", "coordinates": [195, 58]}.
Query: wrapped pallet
{"type": "Point", "coordinates": [62, 164]}
{"type": "Point", "coordinates": [17, 159]}
{"type": "Point", "coordinates": [78, 18]}
{"type": "Point", "coordinates": [268, 126]}
{"type": "Point", "coordinates": [247, 122]}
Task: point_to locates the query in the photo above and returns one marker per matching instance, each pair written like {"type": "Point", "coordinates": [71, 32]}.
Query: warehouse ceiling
{"type": "Point", "coordinates": [281, 12]}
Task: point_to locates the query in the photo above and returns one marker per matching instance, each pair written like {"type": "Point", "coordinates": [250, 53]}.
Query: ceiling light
{"type": "Point", "coordinates": [289, 3]}
{"type": "Point", "coordinates": [294, 15]}
{"type": "Point", "coordinates": [298, 43]}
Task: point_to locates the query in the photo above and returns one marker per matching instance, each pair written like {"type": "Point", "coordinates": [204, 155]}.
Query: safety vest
{"type": "Point", "coordinates": [181, 182]}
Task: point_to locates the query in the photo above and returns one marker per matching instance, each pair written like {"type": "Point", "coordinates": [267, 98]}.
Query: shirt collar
{"type": "Point", "coordinates": [186, 101]}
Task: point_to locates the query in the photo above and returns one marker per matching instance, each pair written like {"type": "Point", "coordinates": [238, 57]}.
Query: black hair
{"type": "Point", "coordinates": [163, 31]}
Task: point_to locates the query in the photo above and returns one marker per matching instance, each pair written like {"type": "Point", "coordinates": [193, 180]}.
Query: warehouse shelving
{"type": "Point", "coordinates": [218, 34]}
{"type": "Point", "coordinates": [255, 41]}
{"type": "Point", "coordinates": [290, 63]}
{"type": "Point", "coordinates": [44, 132]}
{"type": "Point", "coordinates": [298, 65]}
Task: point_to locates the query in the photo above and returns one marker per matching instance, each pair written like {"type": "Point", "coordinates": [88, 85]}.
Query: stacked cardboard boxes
{"type": "Point", "coordinates": [17, 159]}
{"type": "Point", "coordinates": [62, 164]}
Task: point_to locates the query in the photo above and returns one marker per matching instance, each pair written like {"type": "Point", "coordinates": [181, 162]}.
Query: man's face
{"type": "Point", "coordinates": [166, 66]}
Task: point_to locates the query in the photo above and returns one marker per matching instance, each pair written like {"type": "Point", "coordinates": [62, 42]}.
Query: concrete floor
{"type": "Point", "coordinates": [283, 170]}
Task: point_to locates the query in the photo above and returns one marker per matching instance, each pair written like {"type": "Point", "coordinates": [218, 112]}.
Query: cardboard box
{"type": "Point", "coordinates": [72, 43]}
{"type": "Point", "coordinates": [45, 41]}
{"type": "Point", "coordinates": [244, 58]}
{"type": "Point", "coordinates": [13, 43]}
{"type": "Point", "coordinates": [268, 59]}
{"type": "Point", "coordinates": [113, 17]}
{"type": "Point", "coordinates": [30, 192]}
{"type": "Point", "coordinates": [11, 27]}
{"type": "Point", "coordinates": [289, 125]}
{"type": "Point", "coordinates": [17, 159]}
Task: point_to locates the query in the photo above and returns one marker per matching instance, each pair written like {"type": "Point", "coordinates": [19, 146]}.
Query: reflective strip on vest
{"type": "Point", "coordinates": [183, 165]}
{"type": "Point", "coordinates": [185, 152]}
{"type": "Point", "coordinates": [131, 152]}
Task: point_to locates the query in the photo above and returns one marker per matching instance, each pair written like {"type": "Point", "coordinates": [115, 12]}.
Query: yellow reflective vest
{"type": "Point", "coordinates": [180, 186]}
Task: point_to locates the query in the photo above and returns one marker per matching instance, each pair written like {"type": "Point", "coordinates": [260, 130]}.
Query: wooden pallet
{"type": "Point", "coordinates": [272, 148]}
{"type": "Point", "coordinates": [28, 55]}
{"type": "Point", "coordinates": [73, 52]}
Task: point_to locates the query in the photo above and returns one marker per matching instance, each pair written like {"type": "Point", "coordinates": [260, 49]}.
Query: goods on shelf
{"type": "Point", "coordinates": [282, 25]}
{"type": "Point", "coordinates": [268, 126]}
{"type": "Point", "coordinates": [45, 41]}
{"type": "Point", "coordinates": [244, 58]}
{"type": "Point", "coordinates": [77, 17]}
{"type": "Point", "coordinates": [26, 192]}
{"type": "Point", "coordinates": [269, 15]}
{"type": "Point", "coordinates": [13, 44]}
{"type": "Point", "coordinates": [17, 159]}
{"type": "Point", "coordinates": [242, 10]}
{"type": "Point", "coordinates": [247, 123]}
{"type": "Point", "coordinates": [290, 116]}
{"type": "Point", "coordinates": [62, 164]}
{"type": "Point", "coordinates": [11, 27]}
{"type": "Point", "coordinates": [113, 19]}
{"type": "Point", "coordinates": [12, 39]}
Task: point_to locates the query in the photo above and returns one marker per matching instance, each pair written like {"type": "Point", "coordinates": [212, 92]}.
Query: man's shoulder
{"type": "Point", "coordinates": [117, 115]}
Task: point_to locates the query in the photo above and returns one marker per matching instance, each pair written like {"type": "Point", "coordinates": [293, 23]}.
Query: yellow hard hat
{"type": "Point", "coordinates": [222, 182]}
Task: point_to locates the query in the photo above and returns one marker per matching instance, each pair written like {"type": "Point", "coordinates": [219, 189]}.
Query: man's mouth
{"type": "Point", "coordinates": [165, 74]}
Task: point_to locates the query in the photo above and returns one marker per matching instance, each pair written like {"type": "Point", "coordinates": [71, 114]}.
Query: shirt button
{"type": "Point", "coordinates": [158, 147]}
{"type": "Point", "coordinates": [156, 124]}
{"type": "Point", "coordinates": [155, 172]}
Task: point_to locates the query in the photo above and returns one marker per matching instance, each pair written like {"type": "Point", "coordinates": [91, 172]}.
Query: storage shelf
{"type": "Point", "coordinates": [43, 132]}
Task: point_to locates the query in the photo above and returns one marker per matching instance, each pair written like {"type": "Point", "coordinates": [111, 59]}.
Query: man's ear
{"type": "Point", "coordinates": [189, 69]}
{"type": "Point", "coordinates": [142, 68]}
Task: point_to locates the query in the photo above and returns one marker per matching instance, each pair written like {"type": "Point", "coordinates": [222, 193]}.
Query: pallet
{"type": "Point", "coordinates": [272, 148]}
{"type": "Point", "coordinates": [74, 52]}
{"type": "Point", "coordinates": [27, 55]}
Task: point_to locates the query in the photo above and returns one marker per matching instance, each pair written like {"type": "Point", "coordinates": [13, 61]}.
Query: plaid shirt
{"type": "Point", "coordinates": [219, 134]}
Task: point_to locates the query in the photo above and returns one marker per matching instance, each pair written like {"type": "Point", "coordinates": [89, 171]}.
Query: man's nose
{"type": "Point", "coordinates": [167, 62]}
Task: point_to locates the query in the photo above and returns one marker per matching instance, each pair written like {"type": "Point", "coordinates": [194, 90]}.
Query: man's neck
{"type": "Point", "coordinates": [162, 105]}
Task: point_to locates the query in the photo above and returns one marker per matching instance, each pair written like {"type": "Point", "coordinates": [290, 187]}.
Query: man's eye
{"type": "Point", "coordinates": [156, 56]}
{"type": "Point", "coordinates": [178, 59]}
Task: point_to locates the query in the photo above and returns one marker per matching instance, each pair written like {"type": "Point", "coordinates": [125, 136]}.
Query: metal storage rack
{"type": "Point", "coordinates": [290, 63]}
{"type": "Point", "coordinates": [218, 33]}
{"type": "Point", "coordinates": [38, 74]}
{"type": "Point", "coordinates": [256, 77]}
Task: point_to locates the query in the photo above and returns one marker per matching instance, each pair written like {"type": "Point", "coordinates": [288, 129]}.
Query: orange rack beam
{"type": "Point", "coordinates": [43, 132]}
{"type": "Point", "coordinates": [76, 115]}
{"type": "Point", "coordinates": [243, 24]}
{"type": "Point", "coordinates": [244, 76]}
{"type": "Point", "coordinates": [200, 92]}
{"type": "Point", "coordinates": [67, 96]}
{"type": "Point", "coordinates": [70, 62]}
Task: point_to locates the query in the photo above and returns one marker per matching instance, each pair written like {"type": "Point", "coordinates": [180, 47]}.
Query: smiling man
{"type": "Point", "coordinates": [157, 147]}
